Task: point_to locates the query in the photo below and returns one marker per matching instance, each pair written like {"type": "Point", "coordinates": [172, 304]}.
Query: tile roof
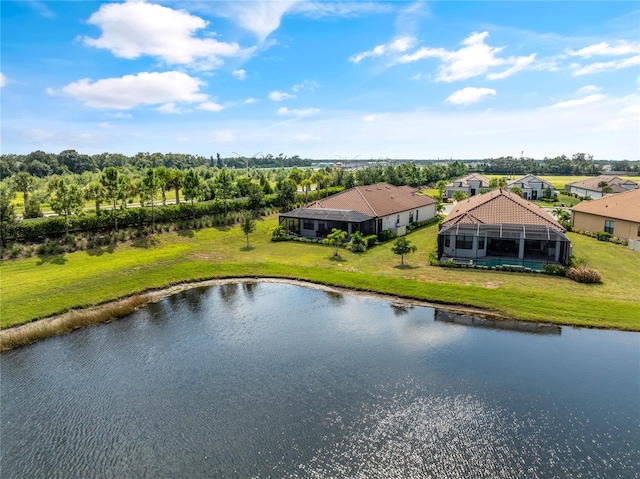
{"type": "Point", "coordinates": [623, 206]}
{"type": "Point", "coordinates": [614, 182]}
{"type": "Point", "coordinates": [464, 181]}
{"type": "Point", "coordinates": [500, 207]}
{"type": "Point", "coordinates": [376, 200]}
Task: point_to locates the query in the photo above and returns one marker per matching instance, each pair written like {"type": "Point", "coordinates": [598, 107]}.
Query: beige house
{"type": "Point", "coordinates": [369, 209]}
{"type": "Point", "coordinates": [469, 185]}
{"type": "Point", "coordinates": [501, 228]}
{"type": "Point", "coordinates": [532, 187]}
{"type": "Point", "coordinates": [590, 188]}
{"type": "Point", "coordinates": [618, 215]}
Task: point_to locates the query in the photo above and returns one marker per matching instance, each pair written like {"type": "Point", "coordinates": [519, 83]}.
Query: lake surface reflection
{"type": "Point", "coordinates": [275, 380]}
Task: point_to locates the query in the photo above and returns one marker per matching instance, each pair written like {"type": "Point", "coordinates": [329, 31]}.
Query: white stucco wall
{"type": "Point", "coordinates": [419, 214]}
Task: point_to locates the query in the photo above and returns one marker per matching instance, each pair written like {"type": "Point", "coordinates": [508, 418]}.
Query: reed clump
{"type": "Point", "coordinates": [31, 332]}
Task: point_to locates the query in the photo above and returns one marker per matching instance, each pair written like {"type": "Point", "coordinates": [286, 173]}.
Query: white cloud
{"type": "Point", "coordinates": [239, 74]}
{"type": "Point", "coordinates": [211, 106]}
{"type": "Point", "coordinates": [182, 139]}
{"type": "Point", "coordinates": [171, 109]}
{"type": "Point", "coordinates": [280, 95]}
{"type": "Point", "coordinates": [599, 67]}
{"type": "Point", "coordinates": [223, 136]}
{"type": "Point", "coordinates": [261, 17]}
{"type": "Point", "coordinates": [473, 59]}
{"type": "Point", "coordinates": [130, 91]}
{"type": "Point", "coordinates": [310, 85]}
{"type": "Point", "coordinates": [605, 48]}
{"type": "Point", "coordinates": [469, 95]}
{"type": "Point", "coordinates": [120, 114]}
{"type": "Point", "coordinates": [250, 101]}
{"type": "Point", "coordinates": [106, 124]}
{"type": "Point", "coordinates": [3, 80]}
{"type": "Point", "coordinates": [136, 28]}
{"type": "Point", "coordinates": [305, 137]}
{"type": "Point", "coordinates": [339, 9]}
{"type": "Point", "coordinates": [588, 89]}
{"type": "Point", "coordinates": [40, 8]}
{"type": "Point", "coordinates": [370, 118]}
{"type": "Point", "coordinates": [399, 45]}
{"type": "Point", "coordinates": [587, 100]}
{"type": "Point", "coordinates": [297, 112]}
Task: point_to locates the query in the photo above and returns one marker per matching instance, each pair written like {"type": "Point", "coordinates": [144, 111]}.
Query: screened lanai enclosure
{"type": "Point", "coordinates": [318, 222]}
{"type": "Point", "coordinates": [527, 246]}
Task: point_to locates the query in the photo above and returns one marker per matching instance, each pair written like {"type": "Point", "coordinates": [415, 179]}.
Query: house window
{"type": "Point", "coordinates": [608, 226]}
{"type": "Point", "coordinates": [464, 242]}
{"type": "Point", "coordinates": [307, 224]}
{"type": "Point", "coordinates": [481, 242]}
{"type": "Point", "coordinates": [411, 217]}
{"type": "Point", "coordinates": [398, 220]}
{"type": "Point", "coordinates": [638, 231]}
{"type": "Point", "coordinates": [417, 211]}
{"type": "Point", "coordinates": [447, 241]}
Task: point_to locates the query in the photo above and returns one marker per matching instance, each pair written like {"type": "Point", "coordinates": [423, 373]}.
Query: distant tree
{"type": "Point", "coordinates": [149, 188]}
{"type": "Point", "coordinates": [114, 189]}
{"type": "Point", "coordinates": [403, 246]}
{"type": "Point", "coordinates": [224, 186]}
{"type": "Point", "coordinates": [192, 188]}
{"type": "Point", "coordinates": [497, 183]}
{"type": "Point", "coordinates": [604, 187]}
{"type": "Point", "coordinates": [306, 186]}
{"type": "Point", "coordinates": [24, 182]}
{"type": "Point", "coordinates": [163, 174]}
{"type": "Point", "coordinates": [286, 193]}
{"type": "Point", "coordinates": [547, 193]}
{"type": "Point", "coordinates": [219, 161]}
{"type": "Point", "coordinates": [95, 191]}
{"type": "Point", "coordinates": [442, 186]}
{"type": "Point", "coordinates": [459, 195]}
{"type": "Point", "coordinates": [295, 175]}
{"type": "Point", "coordinates": [265, 184]}
{"type": "Point", "coordinates": [174, 180]}
{"type": "Point", "coordinates": [248, 225]}
{"type": "Point", "coordinates": [8, 219]}
{"type": "Point", "coordinates": [255, 198]}
{"type": "Point", "coordinates": [33, 208]}
{"type": "Point", "coordinates": [67, 200]}
{"type": "Point", "coordinates": [335, 239]}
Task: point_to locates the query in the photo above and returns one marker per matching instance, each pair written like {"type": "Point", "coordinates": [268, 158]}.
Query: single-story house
{"type": "Point", "coordinates": [368, 209]}
{"type": "Point", "coordinates": [532, 187]}
{"type": "Point", "coordinates": [617, 214]}
{"type": "Point", "coordinates": [590, 188]}
{"type": "Point", "coordinates": [501, 228]}
{"type": "Point", "coordinates": [470, 185]}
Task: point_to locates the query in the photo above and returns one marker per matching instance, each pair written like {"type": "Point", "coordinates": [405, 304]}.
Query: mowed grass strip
{"type": "Point", "coordinates": [34, 288]}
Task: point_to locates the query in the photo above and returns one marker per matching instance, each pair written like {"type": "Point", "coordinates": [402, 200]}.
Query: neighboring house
{"type": "Point", "coordinates": [368, 209]}
{"type": "Point", "coordinates": [589, 187]}
{"type": "Point", "coordinates": [532, 187]}
{"type": "Point", "coordinates": [500, 227]}
{"type": "Point", "coordinates": [470, 185]}
{"type": "Point", "coordinates": [617, 214]}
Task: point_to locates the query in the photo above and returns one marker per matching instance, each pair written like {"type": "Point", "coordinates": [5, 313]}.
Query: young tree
{"type": "Point", "coordinates": [403, 246]}
{"type": "Point", "coordinates": [24, 183]}
{"type": "Point", "coordinates": [162, 174]}
{"type": "Point", "coordinates": [114, 189]}
{"type": "Point", "coordinates": [192, 188]}
{"type": "Point", "coordinates": [248, 225]}
{"type": "Point", "coordinates": [148, 188]}
{"type": "Point", "coordinates": [335, 239]}
{"type": "Point", "coordinates": [95, 191]}
{"type": "Point", "coordinates": [255, 198]}
{"type": "Point", "coordinates": [442, 186]}
{"type": "Point", "coordinates": [66, 200]}
{"type": "Point", "coordinates": [224, 186]}
{"type": "Point", "coordinates": [357, 243]}
{"type": "Point", "coordinates": [286, 192]}
{"type": "Point", "coordinates": [174, 180]}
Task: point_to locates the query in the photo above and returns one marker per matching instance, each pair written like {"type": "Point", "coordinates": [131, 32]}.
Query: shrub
{"type": "Point", "coordinates": [357, 244]}
{"type": "Point", "coordinates": [371, 240]}
{"type": "Point", "coordinates": [386, 235]}
{"type": "Point", "coordinates": [15, 250]}
{"type": "Point", "coordinates": [584, 275]}
{"type": "Point", "coordinates": [554, 269]}
{"type": "Point", "coordinates": [603, 236]}
{"type": "Point", "coordinates": [278, 234]}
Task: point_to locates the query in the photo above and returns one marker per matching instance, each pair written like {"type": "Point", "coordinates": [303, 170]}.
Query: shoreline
{"type": "Point", "coordinates": [68, 321]}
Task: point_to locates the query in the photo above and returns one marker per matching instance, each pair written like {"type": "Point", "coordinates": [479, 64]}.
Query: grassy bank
{"type": "Point", "coordinates": [40, 287]}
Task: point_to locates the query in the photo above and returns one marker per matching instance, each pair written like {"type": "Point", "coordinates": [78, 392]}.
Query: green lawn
{"type": "Point", "coordinates": [39, 287]}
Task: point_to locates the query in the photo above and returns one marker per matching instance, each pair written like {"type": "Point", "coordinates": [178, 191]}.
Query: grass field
{"type": "Point", "coordinates": [36, 287]}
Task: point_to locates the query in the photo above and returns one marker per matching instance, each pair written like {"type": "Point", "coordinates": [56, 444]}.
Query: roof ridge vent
{"type": "Point", "coordinates": [368, 189]}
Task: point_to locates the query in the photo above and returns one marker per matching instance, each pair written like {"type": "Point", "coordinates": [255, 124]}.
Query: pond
{"type": "Point", "coordinates": [277, 380]}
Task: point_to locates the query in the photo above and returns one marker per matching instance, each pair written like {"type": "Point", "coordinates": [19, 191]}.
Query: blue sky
{"type": "Point", "coordinates": [322, 79]}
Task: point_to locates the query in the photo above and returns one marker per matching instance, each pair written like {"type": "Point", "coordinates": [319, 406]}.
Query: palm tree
{"type": "Point", "coordinates": [604, 187]}
{"type": "Point", "coordinates": [24, 182]}
{"type": "Point", "coordinates": [306, 185]}
{"type": "Point", "coordinates": [95, 191]}
{"type": "Point", "coordinates": [149, 187]}
{"type": "Point", "coordinates": [174, 180]}
{"type": "Point", "coordinates": [162, 174]}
